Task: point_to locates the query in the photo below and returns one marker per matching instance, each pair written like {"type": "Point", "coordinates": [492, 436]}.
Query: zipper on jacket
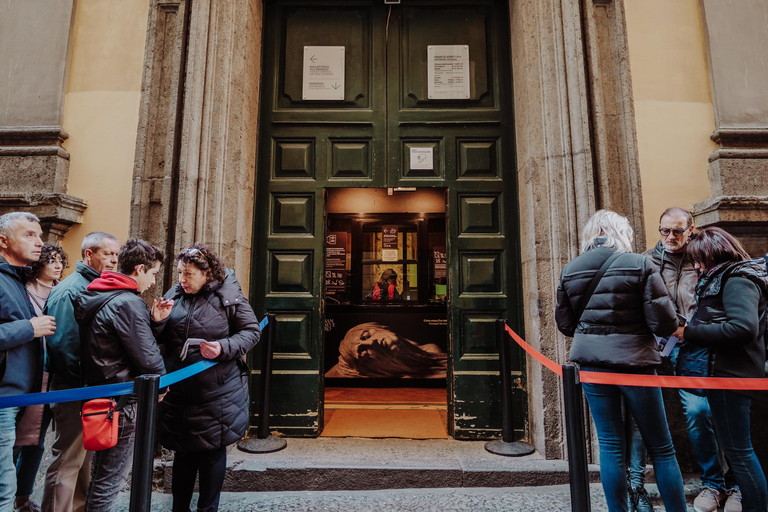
{"type": "Point", "coordinates": [184, 391]}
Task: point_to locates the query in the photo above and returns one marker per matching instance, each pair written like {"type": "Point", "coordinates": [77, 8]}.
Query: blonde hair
{"type": "Point", "coordinates": [611, 226]}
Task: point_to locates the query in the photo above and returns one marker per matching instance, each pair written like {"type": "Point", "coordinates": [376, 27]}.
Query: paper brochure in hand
{"type": "Point", "coordinates": [191, 342]}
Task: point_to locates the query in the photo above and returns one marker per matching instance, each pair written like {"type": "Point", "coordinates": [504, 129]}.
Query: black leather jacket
{"type": "Point", "coordinates": [116, 341]}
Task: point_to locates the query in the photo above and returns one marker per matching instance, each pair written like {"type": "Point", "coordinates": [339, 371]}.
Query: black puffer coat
{"type": "Point", "coordinates": [210, 409]}
{"type": "Point", "coordinates": [629, 305]}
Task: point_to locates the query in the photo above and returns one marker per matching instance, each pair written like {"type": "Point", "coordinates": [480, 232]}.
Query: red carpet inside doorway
{"type": "Point", "coordinates": [411, 413]}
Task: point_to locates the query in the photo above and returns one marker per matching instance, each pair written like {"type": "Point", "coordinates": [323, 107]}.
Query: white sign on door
{"type": "Point", "coordinates": [323, 77]}
{"type": "Point", "coordinates": [422, 158]}
{"type": "Point", "coordinates": [448, 72]}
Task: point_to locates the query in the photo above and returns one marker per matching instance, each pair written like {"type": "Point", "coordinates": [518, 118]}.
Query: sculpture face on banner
{"type": "Point", "coordinates": [374, 350]}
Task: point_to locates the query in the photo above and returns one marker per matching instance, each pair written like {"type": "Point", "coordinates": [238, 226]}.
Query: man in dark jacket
{"type": "Point", "coordinates": [21, 352]}
{"type": "Point", "coordinates": [68, 476]}
{"type": "Point", "coordinates": [117, 345]}
{"type": "Point", "coordinates": [669, 257]}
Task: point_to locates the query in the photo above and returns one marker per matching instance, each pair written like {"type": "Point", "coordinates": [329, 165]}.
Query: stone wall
{"type": "Point", "coordinates": [34, 167]}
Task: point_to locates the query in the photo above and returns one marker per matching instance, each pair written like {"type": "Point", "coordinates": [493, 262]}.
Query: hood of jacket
{"type": "Point", "coordinates": [113, 281]}
{"type": "Point", "coordinates": [91, 300]}
{"type": "Point", "coordinates": [713, 280]}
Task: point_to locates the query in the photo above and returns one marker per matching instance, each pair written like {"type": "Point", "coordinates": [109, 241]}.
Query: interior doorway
{"type": "Point", "coordinates": [386, 319]}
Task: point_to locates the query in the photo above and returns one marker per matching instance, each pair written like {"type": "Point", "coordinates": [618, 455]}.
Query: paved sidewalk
{"type": "Point", "coordinates": [554, 498]}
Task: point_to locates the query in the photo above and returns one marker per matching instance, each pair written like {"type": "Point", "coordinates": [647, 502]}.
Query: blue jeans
{"type": "Point", "coordinates": [111, 466]}
{"type": "Point", "coordinates": [647, 407]}
{"type": "Point", "coordinates": [637, 455]}
{"type": "Point", "coordinates": [7, 468]}
{"type": "Point", "coordinates": [730, 412]}
{"type": "Point", "coordinates": [698, 417]}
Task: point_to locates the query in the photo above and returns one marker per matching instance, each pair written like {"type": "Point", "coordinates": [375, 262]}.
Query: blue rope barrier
{"type": "Point", "coordinates": [107, 390]}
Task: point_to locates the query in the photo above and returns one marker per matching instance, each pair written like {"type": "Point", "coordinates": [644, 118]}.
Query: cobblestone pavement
{"type": "Point", "coordinates": [517, 499]}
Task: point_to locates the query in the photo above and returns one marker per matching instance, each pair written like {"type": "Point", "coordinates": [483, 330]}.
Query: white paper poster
{"type": "Point", "coordinates": [323, 76]}
{"type": "Point", "coordinates": [448, 72]}
{"type": "Point", "coordinates": [422, 158]}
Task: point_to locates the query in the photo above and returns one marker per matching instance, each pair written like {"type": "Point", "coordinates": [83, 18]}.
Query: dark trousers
{"type": "Point", "coordinates": [211, 465]}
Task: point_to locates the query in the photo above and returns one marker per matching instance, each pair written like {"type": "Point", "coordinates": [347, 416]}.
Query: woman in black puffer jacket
{"type": "Point", "coordinates": [730, 320]}
{"type": "Point", "coordinates": [615, 334]}
{"type": "Point", "coordinates": [202, 415]}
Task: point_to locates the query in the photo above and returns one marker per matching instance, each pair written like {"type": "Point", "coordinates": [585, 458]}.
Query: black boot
{"type": "Point", "coordinates": [642, 501]}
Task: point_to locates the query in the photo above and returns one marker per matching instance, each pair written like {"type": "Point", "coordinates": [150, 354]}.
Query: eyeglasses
{"type": "Point", "coordinates": [191, 251]}
{"type": "Point", "coordinates": [676, 232]}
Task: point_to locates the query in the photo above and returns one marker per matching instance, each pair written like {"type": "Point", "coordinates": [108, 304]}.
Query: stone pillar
{"type": "Point", "coordinates": [196, 152]}
{"type": "Point", "coordinates": [556, 185]}
{"type": "Point", "coordinates": [34, 167]}
{"type": "Point", "coordinates": [576, 153]}
{"type": "Point", "coordinates": [737, 37]}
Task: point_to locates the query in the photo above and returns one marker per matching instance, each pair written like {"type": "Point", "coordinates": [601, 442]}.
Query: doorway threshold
{"type": "Point", "coordinates": [408, 413]}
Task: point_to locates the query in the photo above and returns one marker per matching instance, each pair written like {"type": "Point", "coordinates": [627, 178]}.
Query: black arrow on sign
{"type": "Point", "coordinates": [335, 86]}
{"type": "Point", "coordinates": [313, 59]}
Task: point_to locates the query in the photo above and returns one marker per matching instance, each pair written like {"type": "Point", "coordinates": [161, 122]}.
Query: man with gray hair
{"type": "Point", "coordinates": [21, 350]}
{"type": "Point", "coordinates": [68, 476]}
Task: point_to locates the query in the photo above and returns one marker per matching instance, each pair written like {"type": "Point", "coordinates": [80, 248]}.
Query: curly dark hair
{"type": "Point", "coordinates": [204, 259]}
{"type": "Point", "coordinates": [46, 253]}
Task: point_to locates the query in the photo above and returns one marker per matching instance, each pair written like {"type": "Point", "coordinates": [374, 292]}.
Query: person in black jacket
{"type": "Point", "coordinates": [730, 320]}
{"type": "Point", "coordinates": [204, 414]}
{"type": "Point", "coordinates": [615, 333]}
{"type": "Point", "coordinates": [117, 345]}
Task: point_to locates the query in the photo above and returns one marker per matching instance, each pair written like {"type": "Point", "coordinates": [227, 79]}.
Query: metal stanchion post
{"type": "Point", "coordinates": [147, 388]}
{"type": "Point", "coordinates": [577, 443]}
{"type": "Point", "coordinates": [507, 445]}
{"type": "Point", "coordinates": [263, 442]}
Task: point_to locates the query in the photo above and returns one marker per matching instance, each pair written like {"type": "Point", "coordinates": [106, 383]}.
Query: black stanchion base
{"type": "Point", "coordinates": [513, 449]}
{"type": "Point", "coordinates": [267, 445]}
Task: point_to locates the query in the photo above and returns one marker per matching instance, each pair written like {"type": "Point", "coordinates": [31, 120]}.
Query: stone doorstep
{"type": "Point", "coordinates": [334, 464]}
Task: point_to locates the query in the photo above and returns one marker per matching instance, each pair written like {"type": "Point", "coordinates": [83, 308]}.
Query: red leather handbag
{"type": "Point", "coordinates": [100, 421]}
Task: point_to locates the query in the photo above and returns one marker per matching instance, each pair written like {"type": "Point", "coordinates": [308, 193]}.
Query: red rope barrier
{"type": "Point", "coordinates": [653, 381]}
{"type": "Point", "coordinates": [553, 366]}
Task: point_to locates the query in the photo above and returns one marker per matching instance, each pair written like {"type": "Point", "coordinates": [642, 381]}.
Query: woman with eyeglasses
{"type": "Point", "coordinates": [613, 302]}
{"type": "Point", "coordinates": [202, 415]}
{"type": "Point", "coordinates": [730, 320]}
{"type": "Point", "coordinates": [33, 422]}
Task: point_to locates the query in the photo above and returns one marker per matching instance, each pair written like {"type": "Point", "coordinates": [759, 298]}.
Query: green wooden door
{"type": "Point", "coordinates": [369, 139]}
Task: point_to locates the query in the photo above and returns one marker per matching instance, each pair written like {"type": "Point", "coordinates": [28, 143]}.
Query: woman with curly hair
{"type": "Point", "coordinates": [204, 414]}
{"type": "Point", "coordinates": [34, 420]}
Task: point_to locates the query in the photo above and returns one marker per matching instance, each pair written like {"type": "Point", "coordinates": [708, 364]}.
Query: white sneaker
{"type": "Point", "coordinates": [733, 503]}
{"type": "Point", "coordinates": [708, 500]}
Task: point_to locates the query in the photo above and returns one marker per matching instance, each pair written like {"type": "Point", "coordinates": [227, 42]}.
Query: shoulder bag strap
{"type": "Point", "coordinates": [593, 284]}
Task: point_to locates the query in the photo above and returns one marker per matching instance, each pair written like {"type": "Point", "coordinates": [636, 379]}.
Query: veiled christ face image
{"type": "Point", "coordinates": [375, 350]}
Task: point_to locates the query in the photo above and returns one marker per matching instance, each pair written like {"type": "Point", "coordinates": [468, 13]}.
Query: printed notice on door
{"type": "Point", "coordinates": [448, 72]}
{"type": "Point", "coordinates": [323, 77]}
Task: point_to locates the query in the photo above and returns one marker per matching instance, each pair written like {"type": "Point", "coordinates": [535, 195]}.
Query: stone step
{"type": "Point", "coordinates": [334, 464]}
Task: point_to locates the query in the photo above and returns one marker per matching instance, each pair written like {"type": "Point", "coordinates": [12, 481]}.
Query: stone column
{"type": "Point", "coordinates": [576, 153]}
{"type": "Point", "coordinates": [556, 185]}
{"type": "Point", "coordinates": [737, 38]}
{"type": "Point", "coordinates": [34, 167]}
{"type": "Point", "coordinates": [198, 128]}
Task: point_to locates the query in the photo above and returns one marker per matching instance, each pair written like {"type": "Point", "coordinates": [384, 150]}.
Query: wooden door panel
{"type": "Point", "coordinates": [365, 140]}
